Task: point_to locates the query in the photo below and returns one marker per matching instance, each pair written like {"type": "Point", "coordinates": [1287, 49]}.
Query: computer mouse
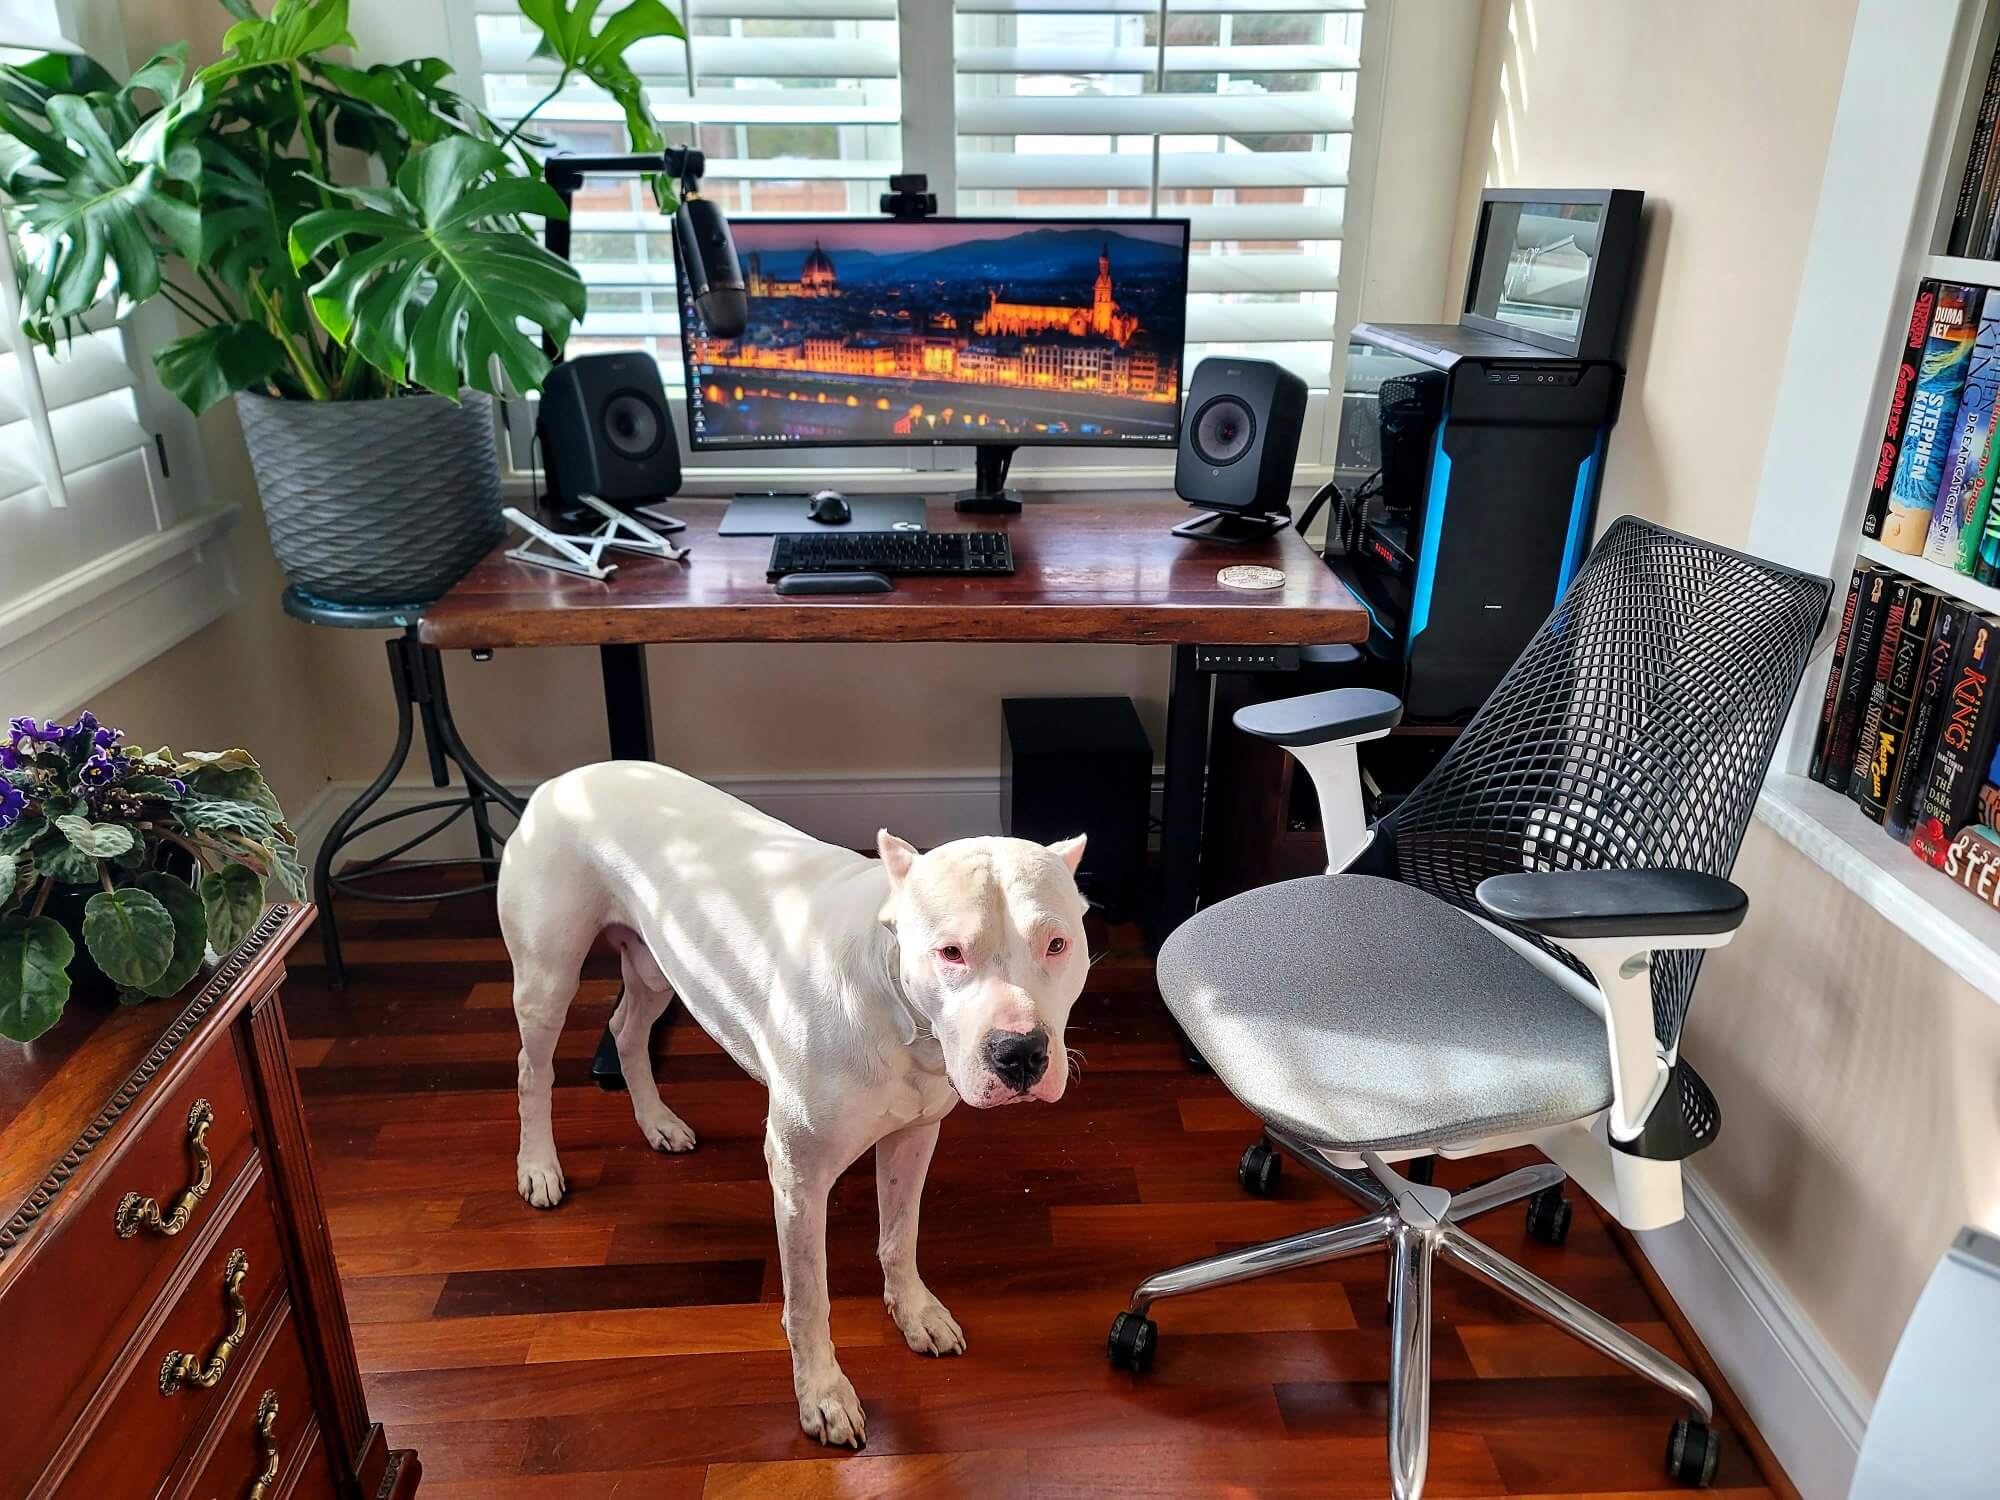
{"type": "Point", "coordinates": [829, 507]}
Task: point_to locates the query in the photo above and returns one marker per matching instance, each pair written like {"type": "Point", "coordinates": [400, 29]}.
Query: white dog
{"type": "Point", "coordinates": [869, 996]}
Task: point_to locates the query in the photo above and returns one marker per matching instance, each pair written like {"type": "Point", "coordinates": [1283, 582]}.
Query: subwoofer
{"type": "Point", "coordinates": [605, 430]}
{"type": "Point", "coordinates": [1239, 446]}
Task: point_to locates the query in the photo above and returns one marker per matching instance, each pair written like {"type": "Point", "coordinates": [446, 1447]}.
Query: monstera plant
{"type": "Point", "coordinates": [126, 864]}
{"type": "Point", "coordinates": [331, 235]}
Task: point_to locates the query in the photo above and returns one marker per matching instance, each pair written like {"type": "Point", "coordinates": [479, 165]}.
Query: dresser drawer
{"type": "Point", "coordinates": [127, 1444]}
{"type": "Point", "coordinates": [86, 1286]}
{"type": "Point", "coordinates": [265, 1427]}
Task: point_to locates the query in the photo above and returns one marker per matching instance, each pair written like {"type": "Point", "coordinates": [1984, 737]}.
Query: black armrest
{"type": "Point", "coordinates": [1315, 718]}
{"type": "Point", "coordinates": [1616, 903]}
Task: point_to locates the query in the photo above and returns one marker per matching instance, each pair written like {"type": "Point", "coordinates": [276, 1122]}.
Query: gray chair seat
{"type": "Point", "coordinates": [1365, 1015]}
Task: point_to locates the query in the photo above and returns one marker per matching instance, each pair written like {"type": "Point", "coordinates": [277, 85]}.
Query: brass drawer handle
{"type": "Point", "coordinates": [267, 1424]}
{"type": "Point", "coordinates": [136, 1213]}
{"type": "Point", "coordinates": [190, 1369]}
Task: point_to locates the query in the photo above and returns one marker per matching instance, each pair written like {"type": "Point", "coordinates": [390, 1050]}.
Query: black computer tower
{"type": "Point", "coordinates": [1490, 472]}
{"type": "Point", "coordinates": [1081, 765]}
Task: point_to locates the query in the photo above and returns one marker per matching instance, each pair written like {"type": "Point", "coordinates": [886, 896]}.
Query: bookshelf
{"type": "Point", "coordinates": [1905, 119]}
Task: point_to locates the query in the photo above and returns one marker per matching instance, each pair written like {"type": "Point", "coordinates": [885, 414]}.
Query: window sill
{"type": "Point", "coordinates": [82, 632]}
{"type": "Point", "coordinates": [1946, 920]}
{"type": "Point", "coordinates": [1076, 479]}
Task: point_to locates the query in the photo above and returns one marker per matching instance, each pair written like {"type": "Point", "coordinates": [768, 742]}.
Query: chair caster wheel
{"type": "Point", "coordinates": [1549, 1214]}
{"type": "Point", "coordinates": [1421, 1170]}
{"type": "Point", "coordinates": [1130, 1346]}
{"type": "Point", "coordinates": [1260, 1169]}
{"type": "Point", "coordinates": [1692, 1451]}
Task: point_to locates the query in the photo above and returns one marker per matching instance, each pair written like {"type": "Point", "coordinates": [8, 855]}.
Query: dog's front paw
{"type": "Point", "coordinates": [830, 1412]}
{"type": "Point", "coordinates": [540, 1182]}
{"type": "Point", "coordinates": [927, 1326]}
{"type": "Point", "coordinates": [666, 1131]}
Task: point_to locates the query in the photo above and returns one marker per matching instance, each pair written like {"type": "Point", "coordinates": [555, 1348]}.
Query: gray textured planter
{"type": "Point", "coordinates": [376, 502]}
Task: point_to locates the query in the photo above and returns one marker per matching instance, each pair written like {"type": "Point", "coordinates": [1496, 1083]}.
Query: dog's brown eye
{"type": "Point", "coordinates": [1057, 945]}
{"type": "Point", "coordinates": [951, 953]}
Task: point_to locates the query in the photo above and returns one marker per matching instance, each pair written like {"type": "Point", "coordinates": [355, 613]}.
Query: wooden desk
{"type": "Point", "coordinates": [1101, 568]}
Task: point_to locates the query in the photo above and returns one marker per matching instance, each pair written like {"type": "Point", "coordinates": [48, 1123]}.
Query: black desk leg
{"type": "Point", "coordinates": [1188, 707]}
{"type": "Point", "coordinates": [628, 704]}
{"type": "Point", "coordinates": [628, 717]}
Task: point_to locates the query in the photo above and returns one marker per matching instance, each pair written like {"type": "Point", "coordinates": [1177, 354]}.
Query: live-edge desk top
{"type": "Point", "coordinates": [1104, 567]}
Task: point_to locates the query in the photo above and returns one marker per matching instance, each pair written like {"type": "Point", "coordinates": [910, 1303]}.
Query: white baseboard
{"type": "Point", "coordinates": [844, 810]}
{"type": "Point", "coordinates": [1805, 1402]}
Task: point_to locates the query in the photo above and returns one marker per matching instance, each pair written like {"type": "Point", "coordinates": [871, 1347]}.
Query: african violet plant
{"type": "Point", "coordinates": [218, 193]}
{"type": "Point", "coordinates": [147, 859]}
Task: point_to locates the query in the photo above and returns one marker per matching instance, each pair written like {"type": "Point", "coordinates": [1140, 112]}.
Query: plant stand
{"type": "Point", "coordinates": [416, 673]}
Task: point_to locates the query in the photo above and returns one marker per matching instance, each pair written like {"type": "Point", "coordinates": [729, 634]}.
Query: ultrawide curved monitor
{"type": "Point", "coordinates": [866, 332]}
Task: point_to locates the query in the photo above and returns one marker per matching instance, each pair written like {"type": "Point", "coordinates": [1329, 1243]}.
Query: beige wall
{"type": "Point", "coordinates": [1856, 1075]}
{"type": "Point", "coordinates": [1720, 113]}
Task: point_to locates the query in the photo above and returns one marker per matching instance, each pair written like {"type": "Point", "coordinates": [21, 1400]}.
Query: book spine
{"type": "Point", "coordinates": [1898, 702]}
{"type": "Point", "coordinates": [1831, 698]}
{"type": "Point", "coordinates": [1868, 735]}
{"type": "Point", "coordinates": [1958, 494]}
{"type": "Point", "coordinates": [1921, 741]}
{"type": "Point", "coordinates": [1908, 366]}
{"type": "Point", "coordinates": [1973, 860]}
{"type": "Point", "coordinates": [1856, 674]}
{"type": "Point", "coordinates": [1973, 538]}
{"type": "Point", "coordinates": [1972, 181]}
{"type": "Point", "coordinates": [1966, 720]}
{"type": "Point", "coordinates": [1986, 560]}
{"type": "Point", "coordinates": [1920, 464]}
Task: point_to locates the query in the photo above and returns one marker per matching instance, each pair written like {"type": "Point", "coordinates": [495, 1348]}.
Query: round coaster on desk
{"type": "Point", "coordinates": [1253, 576]}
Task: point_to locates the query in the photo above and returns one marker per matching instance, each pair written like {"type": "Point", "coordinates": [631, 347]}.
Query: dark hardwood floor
{"type": "Point", "coordinates": [628, 1342]}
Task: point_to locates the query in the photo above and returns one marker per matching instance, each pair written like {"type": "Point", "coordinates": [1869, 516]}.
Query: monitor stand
{"type": "Point", "coordinates": [1233, 527]}
{"type": "Point", "coordinates": [989, 495]}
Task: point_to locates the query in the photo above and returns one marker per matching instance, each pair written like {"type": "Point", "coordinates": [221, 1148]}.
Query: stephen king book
{"type": "Point", "coordinates": [1966, 723]}
{"type": "Point", "coordinates": [1958, 493]}
{"type": "Point", "coordinates": [1927, 437]}
{"type": "Point", "coordinates": [1921, 742]}
{"type": "Point", "coordinates": [1857, 675]}
{"type": "Point", "coordinates": [1975, 184]}
{"type": "Point", "coordinates": [1907, 370]}
{"type": "Point", "coordinates": [1875, 687]}
{"type": "Point", "coordinates": [1883, 735]}
{"type": "Point", "coordinates": [1831, 700]}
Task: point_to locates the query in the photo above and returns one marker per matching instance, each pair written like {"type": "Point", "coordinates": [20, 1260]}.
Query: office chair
{"type": "Point", "coordinates": [1506, 958]}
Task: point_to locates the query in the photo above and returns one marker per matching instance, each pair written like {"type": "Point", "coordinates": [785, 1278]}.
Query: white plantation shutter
{"type": "Point", "coordinates": [1237, 115]}
{"type": "Point", "coordinates": [797, 105]}
{"type": "Point", "coordinates": [79, 470]}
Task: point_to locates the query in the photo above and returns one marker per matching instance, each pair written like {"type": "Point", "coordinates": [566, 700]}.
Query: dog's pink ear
{"type": "Point", "coordinates": [1070, 852]}
{"type": "Point", "coordinates": [897, 855]}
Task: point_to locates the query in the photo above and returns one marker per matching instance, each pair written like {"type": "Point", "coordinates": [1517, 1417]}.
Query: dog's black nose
{"type": "Point", "coordinates": [1017, 1060]}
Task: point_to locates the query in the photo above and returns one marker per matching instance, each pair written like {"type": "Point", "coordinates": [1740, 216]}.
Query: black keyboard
{"type": "Point", "coordinates": [892, 552]}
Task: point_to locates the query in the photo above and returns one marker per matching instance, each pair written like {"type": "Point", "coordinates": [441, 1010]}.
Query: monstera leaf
{"type": "Point", "coordinates": [599, 55]}
{"type": "Point", "coordinates": [428, 291]}
{"type": "Point", "coordinates": [91, 208]}
{"type": "Point", "coordinates": [204, 367]}
{"type": "Point", "coordinates": [390, 108]}
{"type": "Point", "coordinates": [294, 31]}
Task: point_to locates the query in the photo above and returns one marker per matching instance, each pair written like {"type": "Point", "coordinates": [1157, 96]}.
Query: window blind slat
{"type": "Point", "coordinates": [1155, 114]}
{"type": "Point", "coordinates": [664, 59]}
{"type": "Point", "coordinates": [1263, 273]}
{"type": "Point", "coordinates": [1258, 322]}
{"type": "Point", "coordinates": [1134, 169]}
{"type": "Point", "coordinates": [1152, 7]}
{"type": "Point", "coordinates": [1256, 59]}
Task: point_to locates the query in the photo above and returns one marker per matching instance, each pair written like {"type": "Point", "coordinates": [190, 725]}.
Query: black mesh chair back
{"type": "Point", "coordinates": [1634, 732]}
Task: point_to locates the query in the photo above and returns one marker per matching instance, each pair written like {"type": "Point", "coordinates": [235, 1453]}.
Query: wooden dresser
{"type": "Point", "coordinates": [168, 1304]}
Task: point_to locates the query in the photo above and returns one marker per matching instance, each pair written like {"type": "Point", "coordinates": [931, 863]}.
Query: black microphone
{"type": "Point", "coordinates": [708, 260]}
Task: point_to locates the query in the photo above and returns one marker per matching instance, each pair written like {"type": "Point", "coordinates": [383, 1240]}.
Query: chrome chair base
{"type": "Point", "coordinates": [1417, 1223]}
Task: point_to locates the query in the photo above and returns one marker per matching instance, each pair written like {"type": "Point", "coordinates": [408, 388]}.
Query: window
{"type": "Point", "coordinates": [101, 567]}
{"type": "Point", "coordinates": [1237, 114]}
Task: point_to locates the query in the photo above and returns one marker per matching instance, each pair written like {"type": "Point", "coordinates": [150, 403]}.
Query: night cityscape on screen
{"type": "Point", "coordinates": [886, 332]}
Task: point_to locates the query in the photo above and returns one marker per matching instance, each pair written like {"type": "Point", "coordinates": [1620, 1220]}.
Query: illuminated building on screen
{"type": "Point", "coordinates": [816, 278]}
{"type": "Point", "coordinates": [1102, 318]}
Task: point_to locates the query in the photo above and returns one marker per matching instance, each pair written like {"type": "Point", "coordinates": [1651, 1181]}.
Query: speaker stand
{"type": "Point", "coordinates": [583, 554]}
{"type": "Point", "coordinates": [1233, 528]}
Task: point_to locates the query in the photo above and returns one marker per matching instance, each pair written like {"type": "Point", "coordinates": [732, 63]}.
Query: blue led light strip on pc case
{"type": "Point", "coordinates": [1427, 553]}
{"type": "Point", "coordinates": [1579, 513]}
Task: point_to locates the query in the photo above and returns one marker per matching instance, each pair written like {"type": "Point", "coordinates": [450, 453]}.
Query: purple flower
{"type": "Point", "coordinates": [12, 801]}
{"type": "Point", "coordinates": [103, 769]}
{"type": "Point", "coordinates": [25, 739]}
{"type": "Point", "coordinates": [106, 737]}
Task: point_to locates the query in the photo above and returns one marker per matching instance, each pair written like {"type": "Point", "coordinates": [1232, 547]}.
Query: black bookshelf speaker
{"type": "Point", "coordinates": [1240, 436]}
{"type": "Point", "coordinates": [605, 430]}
